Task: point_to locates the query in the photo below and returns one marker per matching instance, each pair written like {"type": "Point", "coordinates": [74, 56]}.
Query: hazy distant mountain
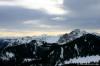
{"type": "Point", "coordinates": [9, 41]}
{"type": "Point", "coordinates": [77, 47]}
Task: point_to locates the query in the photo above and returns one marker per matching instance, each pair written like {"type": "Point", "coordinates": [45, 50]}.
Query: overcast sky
{"type": "Point", "coordinates": [49, 15]}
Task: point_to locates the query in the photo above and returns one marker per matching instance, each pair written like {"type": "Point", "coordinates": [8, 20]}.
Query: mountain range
{"type": "Point", "coordinates": [77, 47]}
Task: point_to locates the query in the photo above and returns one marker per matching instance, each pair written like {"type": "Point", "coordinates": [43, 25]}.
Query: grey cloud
{"type": "Point", "coordinates": [84, 8]}
{"type": "Point", "coordinates": [11, 16]}
{"type": "Point", "coordinates": [13, 13]}
{"type": "Point", "coordinates": [83, 14]}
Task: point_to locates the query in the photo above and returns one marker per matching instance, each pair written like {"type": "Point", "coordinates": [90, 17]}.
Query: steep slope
{"type": "Point", "coordinates": [87, 45]}
{"type": "Point", "coordinates": [36, 53]}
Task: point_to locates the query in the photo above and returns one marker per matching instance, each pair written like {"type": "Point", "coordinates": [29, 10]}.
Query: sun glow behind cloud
{"type": "Point", "coordinates": [53, 7]}
{"type": "Point", "coordinates": [50, 6]}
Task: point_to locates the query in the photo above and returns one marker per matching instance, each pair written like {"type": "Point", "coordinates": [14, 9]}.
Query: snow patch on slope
{"type": "Point", "coordinates": [87, 59]}
{"type": "Point", "coordinates": [8, 56]}
{"type": "Point", "coordinates": [61, 55]}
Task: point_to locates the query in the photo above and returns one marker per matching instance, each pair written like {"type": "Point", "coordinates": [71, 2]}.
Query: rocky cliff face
{"type": "Point", "coordinates": [42, 53]}
{"type": "Point", "coordinates": [77, 33]}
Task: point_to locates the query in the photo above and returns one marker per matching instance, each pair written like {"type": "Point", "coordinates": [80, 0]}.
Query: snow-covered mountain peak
{"type": "Point", "coordinates": [71, 36]}
{"type": "Point", "coordinates": [77, 33]}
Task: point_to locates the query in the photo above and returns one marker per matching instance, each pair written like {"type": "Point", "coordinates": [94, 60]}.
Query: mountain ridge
{"type": "Point", "coordinates": [52, 54]}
